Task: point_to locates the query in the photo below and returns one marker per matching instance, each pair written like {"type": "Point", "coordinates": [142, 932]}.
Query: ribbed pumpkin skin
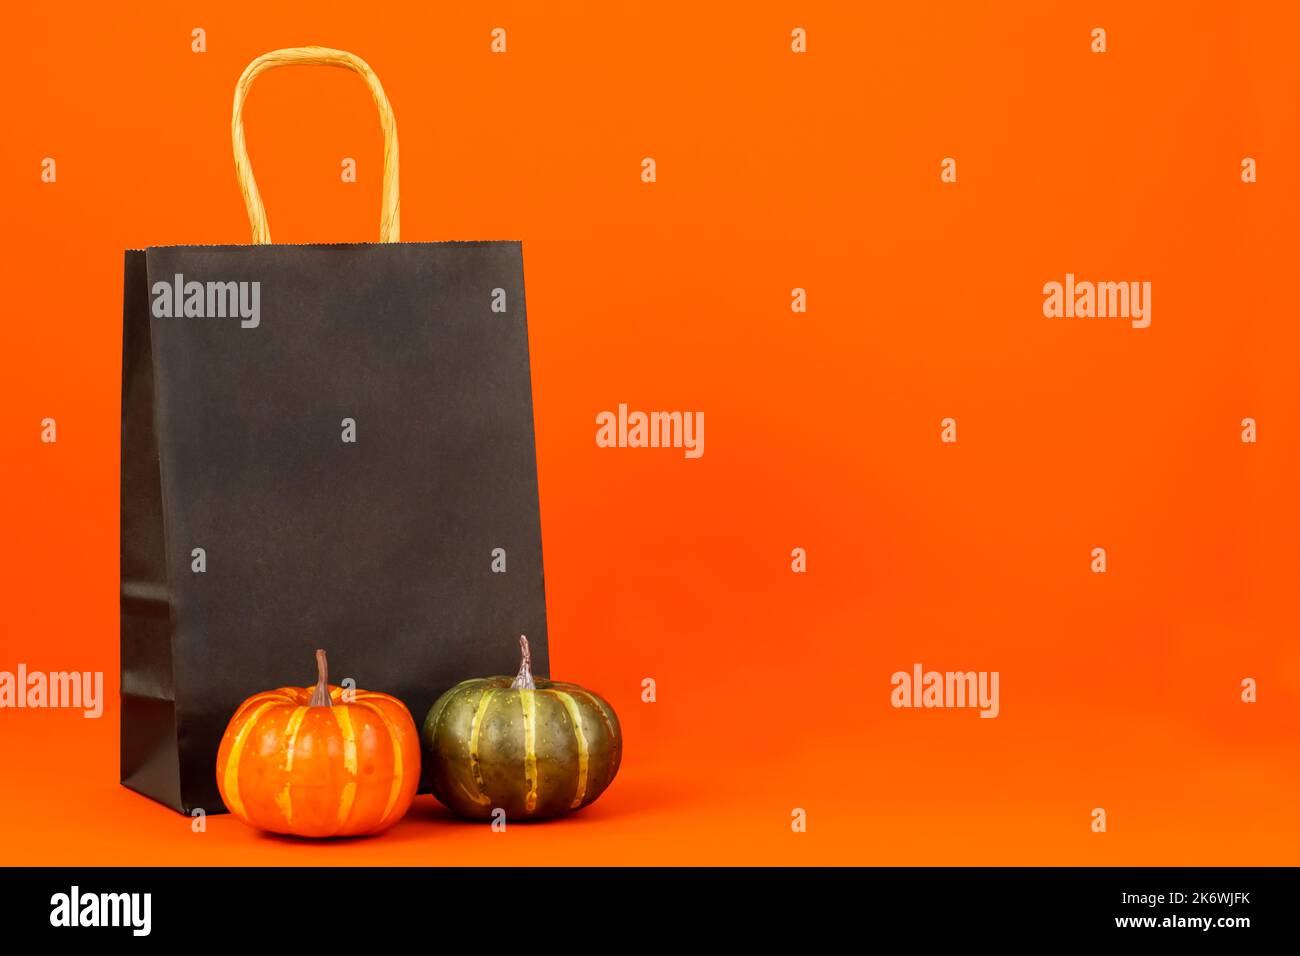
{"type": "Point", "coordinates": [343, 770]}
{"type": "Point", "coordinates": [493, 746]}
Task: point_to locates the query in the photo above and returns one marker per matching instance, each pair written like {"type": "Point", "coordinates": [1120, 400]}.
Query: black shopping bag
{"type": "Point", "coordinates": [322, 446]}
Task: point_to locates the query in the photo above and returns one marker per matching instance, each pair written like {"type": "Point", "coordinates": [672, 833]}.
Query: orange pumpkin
{"type": "Point", "coordinates": [303, 760]}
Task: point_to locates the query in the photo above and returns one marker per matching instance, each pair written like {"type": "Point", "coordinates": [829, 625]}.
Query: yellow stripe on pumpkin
{"type": "Point", "coordinates": [291, 736]}
{"type": "Point", "coordinates": [256, 701]}
{"type": "Point", "coordinates": [345, 802]}
{"type": "Point", "coordinates": [475, 725]}
{"type": "Point", "coordinates": [284, 799]}
{"type": "Point", "coordinates": [605, 722]}
{"type": "Point", "coordinates": [571, 706]}
{"type": "Point", "coordinates": [528, 699]}
{"type": "Point", "coordinates": [398, 769]}
{"type": "Point", "coordinates": [284, 802]}
{"type": "Point", "coordinates": [233, 803]}
{"type": "Point", "coordinates": [349, 738]}
{"type": "Point", "coordinates": [344, 720]}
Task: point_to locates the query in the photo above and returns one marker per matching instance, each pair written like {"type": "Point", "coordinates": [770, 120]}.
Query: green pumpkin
{"type": "Point", "coordinates": [533, 748]}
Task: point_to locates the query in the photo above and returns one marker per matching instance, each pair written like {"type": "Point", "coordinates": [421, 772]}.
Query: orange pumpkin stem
{"type": "Point", "coordinates": [321, 695]}
{"type": "Point", "coordinates": [524, 680]}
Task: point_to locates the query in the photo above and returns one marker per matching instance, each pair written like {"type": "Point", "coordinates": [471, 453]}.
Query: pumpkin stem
{"type": "Point", "coordinates": [320, 697]}
{"type": "Point", "coordinates": [524, 680]}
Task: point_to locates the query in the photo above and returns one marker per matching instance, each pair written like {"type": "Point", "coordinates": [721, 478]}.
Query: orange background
{"type": "Point", "coordinates": [775, 170]}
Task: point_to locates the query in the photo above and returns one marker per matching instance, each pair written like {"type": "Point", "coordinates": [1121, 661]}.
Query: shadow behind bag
{"type": "Point", "coordinates": [322, 446]}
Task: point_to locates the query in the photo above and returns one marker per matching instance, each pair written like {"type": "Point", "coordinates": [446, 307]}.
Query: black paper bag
{"type": "Point", "coordinates": [322, 446]}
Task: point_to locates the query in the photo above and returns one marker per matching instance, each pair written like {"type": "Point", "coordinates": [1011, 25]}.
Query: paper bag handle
{"type": "Point", "coordinates": [390, 214]}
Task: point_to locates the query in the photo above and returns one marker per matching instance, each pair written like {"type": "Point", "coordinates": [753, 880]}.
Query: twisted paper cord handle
{"type": "Point", "coordinates": [390, 214]}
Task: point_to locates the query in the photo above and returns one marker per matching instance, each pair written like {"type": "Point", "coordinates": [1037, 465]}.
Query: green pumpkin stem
{"type": "Point", "coordinates": [320, 697]}
{"type": "Point", "coordinates": [524, 680]}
